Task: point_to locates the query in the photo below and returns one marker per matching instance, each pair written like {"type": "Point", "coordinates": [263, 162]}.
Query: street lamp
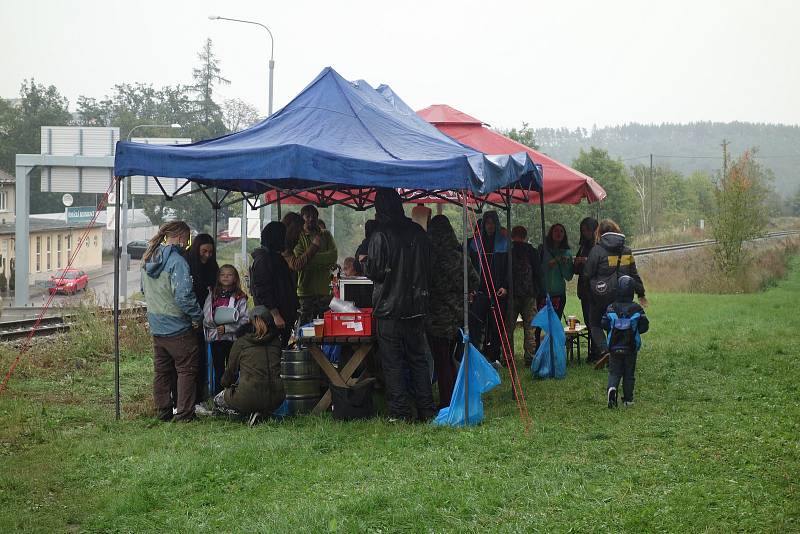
{"type": "Point", "coordinates": [269, 114]}
{"type": "Point", "coordinates": [271, 52]}
{"type": "Point", "coordinates": [173, 125]}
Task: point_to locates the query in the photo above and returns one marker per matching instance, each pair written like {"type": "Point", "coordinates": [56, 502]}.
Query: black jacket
{"type": "Point", "coordinates": [398, 261]}
{"type": "Point", "coordinates": [602, 261]}
{"type": "Point", "coordinates": [272, 285]}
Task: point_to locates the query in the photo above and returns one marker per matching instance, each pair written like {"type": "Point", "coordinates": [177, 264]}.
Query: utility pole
{"type": "Point", "coordinates": [724, 145]}
{"type": "Point", "coordinates": [652, 195]}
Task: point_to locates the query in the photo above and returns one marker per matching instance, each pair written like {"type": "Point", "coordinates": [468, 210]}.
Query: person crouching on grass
{"type": "Point", "coordinates": [227, 293]}
{"type": "Point", "coordinates": [255, 359]}
{"type": "Point", "coordinates": [624, 320]}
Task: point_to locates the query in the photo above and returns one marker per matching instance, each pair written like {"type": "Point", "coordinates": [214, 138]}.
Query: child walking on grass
{"type": "Point", "coordinates": [227, 293]}
{"type": "Point", "coordinates": [624, 320]}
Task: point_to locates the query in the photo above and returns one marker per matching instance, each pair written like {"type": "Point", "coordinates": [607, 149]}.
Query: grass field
{"type": "Point", "coordinates": [710, 446]}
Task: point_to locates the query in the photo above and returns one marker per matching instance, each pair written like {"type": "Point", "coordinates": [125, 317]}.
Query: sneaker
{"type": "Point", "coordinates": [612, 397]}
{"type": "Point", "coordinates": [254, 419]}
{"type": "Point", "coordinates": [200, 409]}
{"type": "Point", "coordinates": [497, 365]}
{"type": "Point", "coordinates": [628, 404]}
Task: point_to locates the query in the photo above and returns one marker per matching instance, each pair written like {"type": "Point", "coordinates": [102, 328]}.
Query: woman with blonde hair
{"type": "Point", "coordinates": [174, 317]}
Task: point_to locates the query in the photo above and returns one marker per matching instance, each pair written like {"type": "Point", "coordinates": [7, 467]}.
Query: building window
{"type": "Point", "coordinates": [95, 241]}
{"type": "Point", "coordinates": [3, 201]}
{"type": "Point", "coordinates": [69, 247]}
{"type": "Point", "coordinates": [38, 254]}
{"type": "Point", "coordinates": [49, 252]}
{"type": "Point", "coordinates": [58, 251]}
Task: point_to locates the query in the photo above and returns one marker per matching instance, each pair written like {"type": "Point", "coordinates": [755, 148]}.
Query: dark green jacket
{"type": "Point", "coordinates": [258, 364]}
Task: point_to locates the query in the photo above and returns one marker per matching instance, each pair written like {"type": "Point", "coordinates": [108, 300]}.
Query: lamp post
{"type": "Point", "coordinates": [271, 74]}
{"type": "Point", "coordinates": [123, 202]}
{"type": "Point", "coordinates": [271, 51]}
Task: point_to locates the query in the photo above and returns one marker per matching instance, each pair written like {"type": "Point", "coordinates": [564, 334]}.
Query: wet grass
{"type": "Point", "coordinates": [711, 445]}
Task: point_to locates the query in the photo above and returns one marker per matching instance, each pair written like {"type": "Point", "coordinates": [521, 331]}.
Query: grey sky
{"type": "Point", "coordinates": [553, 63]}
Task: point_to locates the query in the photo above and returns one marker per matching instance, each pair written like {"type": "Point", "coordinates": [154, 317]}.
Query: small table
{"type": "Point", "coordinates": [574, 336]}
{"type": "Point", "coordinates": [362, 346]}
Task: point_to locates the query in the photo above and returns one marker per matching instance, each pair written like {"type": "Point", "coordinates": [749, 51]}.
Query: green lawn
{"type": "Point", "coordinates": [711, 445]}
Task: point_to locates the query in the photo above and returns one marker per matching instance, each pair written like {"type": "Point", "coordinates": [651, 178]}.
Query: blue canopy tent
{"type": "Point", "coordinates": [338, 136]}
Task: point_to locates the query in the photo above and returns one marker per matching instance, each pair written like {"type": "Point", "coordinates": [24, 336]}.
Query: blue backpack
{"type": "Point", "coordinates": [623, 332]}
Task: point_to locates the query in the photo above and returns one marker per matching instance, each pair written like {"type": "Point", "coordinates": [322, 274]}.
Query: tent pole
{"type": "Point", "coordinates": [216, 213]}
{"type": "Point", "coordinates": [510, 274]}
{"type": "Point", "coordinates": [541, 257]}
{"type": "Point", "coordinates": [117, 250]}
{"type": "Point", "coordinates": [465, 355]}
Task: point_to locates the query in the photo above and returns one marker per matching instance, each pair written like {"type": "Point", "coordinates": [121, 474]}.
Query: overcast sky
{"type": "Point", "coordinates": [553, 63]}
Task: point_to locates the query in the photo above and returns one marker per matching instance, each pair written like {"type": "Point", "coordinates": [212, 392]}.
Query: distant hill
{"type": "Point", "coordinates": [778, 144]}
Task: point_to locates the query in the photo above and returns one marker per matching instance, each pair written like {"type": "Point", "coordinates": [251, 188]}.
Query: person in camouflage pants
{"type": "Point", "coordinates": [446, 313]}
{"type": "Point", "coordinates": [527, 287]}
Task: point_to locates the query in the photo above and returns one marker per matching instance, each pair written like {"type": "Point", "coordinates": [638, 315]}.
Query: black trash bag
{"type": "Point", "coordinates": [353, 402]}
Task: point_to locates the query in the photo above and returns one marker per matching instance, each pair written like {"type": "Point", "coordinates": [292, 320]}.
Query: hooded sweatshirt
{"type": "Point", "coordinates": [398, 261]}
{"type": "Point", "coordinates": [167, 286]}
{"type": "Point", "coordinates": [271, 282]}
{"type": "Point", "coordinates": [604, 258]}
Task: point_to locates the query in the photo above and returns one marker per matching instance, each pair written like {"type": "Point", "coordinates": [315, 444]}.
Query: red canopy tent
{"type": "Point", "coordinates": [562, 184]}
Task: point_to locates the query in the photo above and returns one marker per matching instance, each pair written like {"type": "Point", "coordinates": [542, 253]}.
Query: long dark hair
{"type": "Point", "coordinates": [549, 239]}
{"type": "Point", "coordinates": [238, 292]}
{"type": "Point", "coordinates": [196, 266]}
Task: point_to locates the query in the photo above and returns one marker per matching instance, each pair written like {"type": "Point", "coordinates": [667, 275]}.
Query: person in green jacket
{"type": "Point", "coordinates": [557, 267]}
{"type": "Point", "coordinates": [313, 281]}
{"type": "Point", "coordinates": [252, 377]}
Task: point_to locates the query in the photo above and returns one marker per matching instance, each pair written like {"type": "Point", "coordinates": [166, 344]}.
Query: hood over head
{"type": "Point", "coordinates": [158, 261]}
{"type": "Point", "coordinates": [625, 288]}
{"type": "Point", "coordinates": [388, 205]}
{"type": "Point", "coordinates": [612, 241]}
{"type": "Point", "coordinates": [273, 237]}
{"type": "Point", "coordinates": [442, 234]}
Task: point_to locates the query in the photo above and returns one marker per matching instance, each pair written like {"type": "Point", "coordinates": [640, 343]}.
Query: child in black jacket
{"type": "Point", "coordinates": [624, 320]}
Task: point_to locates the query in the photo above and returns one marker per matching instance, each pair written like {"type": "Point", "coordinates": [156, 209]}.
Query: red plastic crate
{"type": "Point", "coordinates": [356, 324]}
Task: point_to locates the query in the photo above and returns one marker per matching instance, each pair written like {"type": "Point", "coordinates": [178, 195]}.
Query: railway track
{"type": "Point", "coordinates": [21, 328]}
{"type": "Point", "coordinates": [645, 251]}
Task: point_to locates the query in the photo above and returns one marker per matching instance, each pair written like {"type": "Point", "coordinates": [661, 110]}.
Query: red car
{"type": "Point", "coordinates": [72, 282]}
{"type": "Point", "coordinates": [223, 237]}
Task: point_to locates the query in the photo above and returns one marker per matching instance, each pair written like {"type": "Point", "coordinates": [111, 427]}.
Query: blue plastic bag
{"type": "Point", "coordinates": [548, 364]}
{"type": "Point", "coordinates": [482, 378]}
{"type": "Point", "coordinates": [332, 352]}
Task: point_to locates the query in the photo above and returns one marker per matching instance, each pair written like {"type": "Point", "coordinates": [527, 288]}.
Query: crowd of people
{"type": "Point", "coordinates": [198, 310]}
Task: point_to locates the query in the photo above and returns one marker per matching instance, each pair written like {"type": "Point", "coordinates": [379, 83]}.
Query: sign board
{"type": "Point", "coordinates": [77, 141]}
{"type": "Point", "coordinates": [67, 199]}
{"type": "Point", "coordinates": [235, 227]}
{"type": "Point", "coordinates": [80, 214]}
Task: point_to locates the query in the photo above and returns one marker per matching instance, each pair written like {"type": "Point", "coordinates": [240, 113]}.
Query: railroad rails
{"type": "Point", "coordinates": [21, 328]}
{"type": "Point", "coordinates": [645, 251]}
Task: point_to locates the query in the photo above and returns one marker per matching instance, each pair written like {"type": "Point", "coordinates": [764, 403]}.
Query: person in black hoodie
{"type": "Point", "coordinates": [361, 251]}
{"type": "Point", "coordinates": [271, 281]}
{"type": "Point", "coordinates": [398, 263]}
{"type": "Point", "coordinates": [624, 320]}
{"type": "Point", "coordinates": [588, 228]}
{"type": "Point", "coordinates": [495, 247]}
{"type": "Point", "coordinates": [607, 261]}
